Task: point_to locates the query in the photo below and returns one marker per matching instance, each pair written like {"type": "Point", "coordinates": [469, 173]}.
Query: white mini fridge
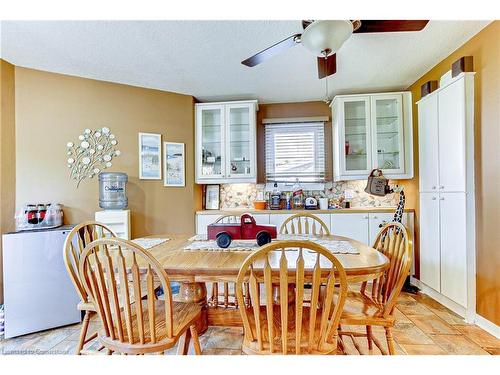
{"type": "Point", "coordinates": [38, 292]}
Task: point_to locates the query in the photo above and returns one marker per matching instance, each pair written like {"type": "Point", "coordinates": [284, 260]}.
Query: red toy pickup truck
{"type": "Point", "coordinates": [248, 229]}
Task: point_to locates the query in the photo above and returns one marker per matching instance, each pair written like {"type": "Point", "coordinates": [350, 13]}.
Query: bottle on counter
{"type": "Point", "coordinates": [297, 196]}
{"type": "Point", "coordinates": [275, 202]}
{"type": "Point", "coordinates": [288, 200]}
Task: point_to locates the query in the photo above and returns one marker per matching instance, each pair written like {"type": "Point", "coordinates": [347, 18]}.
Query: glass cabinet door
{"type": "Point", "coordinates": [356, 147]}
{"type": "Point", "coordinates": [240, 141]}
{"type": "Point", "coordinates": [387, 121]}
{"type": "Point", "coordinates": [212, 133]}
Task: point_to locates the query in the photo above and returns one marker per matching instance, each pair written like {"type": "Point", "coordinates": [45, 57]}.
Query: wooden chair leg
{"type": "Point", "coordinates": [83, 331]}
{"type": "Point", "coordinates": [196, 340]}
{"type": "Point", "coordinates": [390, 340]}
{"type": "Point", "coordinates": [215, 294]}
{"type": "Point", "coordinates": [226, 295]}
{"type": "Point", "coordinates": [184, 343]}
{"type": "Point", "coordinates": [369, 337]}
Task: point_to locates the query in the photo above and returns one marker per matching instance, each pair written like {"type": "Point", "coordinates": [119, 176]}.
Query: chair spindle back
{"type": "Point", "coordinates": [284, 265]}
{"type": "Point", "coordinates": [79, 237]}
{"type": "Point", "coordinates": [396, 244]}
{"type": "Point", "coordinates": [304, 224]}
{"type": "Point", "coordinates": [116, 274]}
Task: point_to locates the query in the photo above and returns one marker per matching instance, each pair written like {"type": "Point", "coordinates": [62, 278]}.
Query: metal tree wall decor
{"type": "Point", "coordinates": [94, 150]}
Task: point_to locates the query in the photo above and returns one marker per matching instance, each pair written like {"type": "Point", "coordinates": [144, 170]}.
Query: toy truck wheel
{"type": "Point", "coordinates": [263, 238]}
{"type": "Point", "coordinates": [223, 240]}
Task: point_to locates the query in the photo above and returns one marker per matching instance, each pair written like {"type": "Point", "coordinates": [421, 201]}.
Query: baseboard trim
{"type": "Point", "coordinates": [488, 326]}
{"type": "Point", "coordinates": [445, 301]}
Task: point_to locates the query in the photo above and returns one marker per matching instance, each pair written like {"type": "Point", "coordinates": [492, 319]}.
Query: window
{"type": "Point", "coordinates": [295, 150]}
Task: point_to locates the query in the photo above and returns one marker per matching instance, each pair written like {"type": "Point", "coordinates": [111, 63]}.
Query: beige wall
{"type": "Point", "coordinates": [7, 154]}
{"type": "Point", "coordinates": [485, 49]}
{"type": "Point", "coordinates": [52, 109]}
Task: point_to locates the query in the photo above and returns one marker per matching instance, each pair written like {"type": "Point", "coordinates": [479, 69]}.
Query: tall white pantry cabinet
{"type": "Point", "coordinates": [447, 215]}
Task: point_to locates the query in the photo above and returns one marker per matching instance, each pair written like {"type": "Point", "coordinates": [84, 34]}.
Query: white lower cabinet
{"type": "Point", "coordinates": [443, 244]}
{"type": "Point", "coordinates": [377, 221]}
{"type": "Point", "coordinates": [362, 227]}
{"type": "Point", "coordinates": [429, 241]}
{"type": "Point", "coordinates": [453, 247]}
{"type": "Point", "coordinates": [279, 219]}
{"type": "Point", "coordinates": [354, 226]}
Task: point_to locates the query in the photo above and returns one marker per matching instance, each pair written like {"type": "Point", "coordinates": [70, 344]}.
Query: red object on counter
{"type": "Point", "coordinates": [247, 229]}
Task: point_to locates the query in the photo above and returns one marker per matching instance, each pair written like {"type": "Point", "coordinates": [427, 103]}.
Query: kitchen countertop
{"type": "Point", "coordinates": [239, 211]}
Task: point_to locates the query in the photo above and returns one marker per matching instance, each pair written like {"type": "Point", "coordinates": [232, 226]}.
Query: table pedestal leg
{"type": "Point", "coordinates": [276, 294]}
{"type": "Point", "coordinates": [196, 292]}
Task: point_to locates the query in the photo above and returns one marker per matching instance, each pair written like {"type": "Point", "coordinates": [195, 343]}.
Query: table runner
{"type": "Point", "coordinates": [148, 243]}
{"type": "Point", "coordinates": [200, 242]}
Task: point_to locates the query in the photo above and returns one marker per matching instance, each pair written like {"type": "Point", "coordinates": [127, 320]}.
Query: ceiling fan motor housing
{"type": "Point", "coordinates": [326, 36]}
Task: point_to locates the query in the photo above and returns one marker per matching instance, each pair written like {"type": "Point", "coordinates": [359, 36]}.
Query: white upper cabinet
{"type": "Point", "coordinates": [441, 131]}
{"type": "Point", "coordinates": [372, 131]}
{"type": "Point", "coordinates": [452, 137]}
{"type": "Point", "coordinates": [428, 144]}
{"type": "Point", "coordinates": [225, 142]}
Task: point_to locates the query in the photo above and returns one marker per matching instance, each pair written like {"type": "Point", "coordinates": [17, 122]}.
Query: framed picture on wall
{"type": "Point", "coordinates": [149, 156]}
{"type": "Point", "coordinates": [173, 155]}
{"type": "Point", "coordinates": [212, 197]}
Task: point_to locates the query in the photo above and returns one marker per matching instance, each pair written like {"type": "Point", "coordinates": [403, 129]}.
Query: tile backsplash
{"type": "Point", "coordinates": [242, 195]}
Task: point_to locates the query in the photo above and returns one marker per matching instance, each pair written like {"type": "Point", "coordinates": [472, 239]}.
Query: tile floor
{"type": "Point", "coordinates": [423, 326]}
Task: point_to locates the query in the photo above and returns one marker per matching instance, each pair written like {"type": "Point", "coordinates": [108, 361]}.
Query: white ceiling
{"type": "Point", "coordinates": [202, 58]}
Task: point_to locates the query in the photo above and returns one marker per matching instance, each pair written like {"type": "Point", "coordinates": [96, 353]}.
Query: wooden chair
{"type": "Point", "coordinates": [227, 298]}
{"type": "Point", "coordinates": [79, 237]}
{"type": "Point", "coordinates": [304, 223]}
{"type": "Point", "coordinates": [374, 304]}
{"type": "Point", "coordinates": [131, 323]}
{"type": "Point", "coordinates": [289, 326]}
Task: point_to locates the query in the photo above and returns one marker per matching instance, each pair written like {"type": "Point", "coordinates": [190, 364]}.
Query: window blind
{"type": "Point", "coordinates": [295, 150]}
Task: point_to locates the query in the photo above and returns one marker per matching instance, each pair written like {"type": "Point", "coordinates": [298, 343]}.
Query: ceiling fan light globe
{"type": "Point", "coordinates": [326, 35]}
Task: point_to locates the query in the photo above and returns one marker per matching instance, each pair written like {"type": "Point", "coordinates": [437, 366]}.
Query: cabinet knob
{"type": "Point", "coordinates": [366, 217]}
{"type": "Point", "coordinates": [433, 198]}
{"type": "Point", "coordinates": [375, 217]}
{"type": "Point", "coordinates": [441, 187]}
{"type": "Point", "coordinates": [433, 188]}
{"type": "Point", "coordinates": [441, 199]}
{"type": "Point", "coordinates": [382, 224]}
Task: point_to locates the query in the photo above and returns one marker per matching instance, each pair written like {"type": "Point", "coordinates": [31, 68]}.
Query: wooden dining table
{"type": "Point", "coordinates": [193, 268]}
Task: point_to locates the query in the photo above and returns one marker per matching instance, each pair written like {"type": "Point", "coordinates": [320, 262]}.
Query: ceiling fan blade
{"type": "Point", "coordinates": [385, 26]}
{"type": "Point", "coordinates": [272, 51]}
{"type": "Point", "coordinates": [327, 67]}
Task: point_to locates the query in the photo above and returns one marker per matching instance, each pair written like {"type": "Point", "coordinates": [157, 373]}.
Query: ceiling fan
{"type": "Point", "coordinates": [325, 37]}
